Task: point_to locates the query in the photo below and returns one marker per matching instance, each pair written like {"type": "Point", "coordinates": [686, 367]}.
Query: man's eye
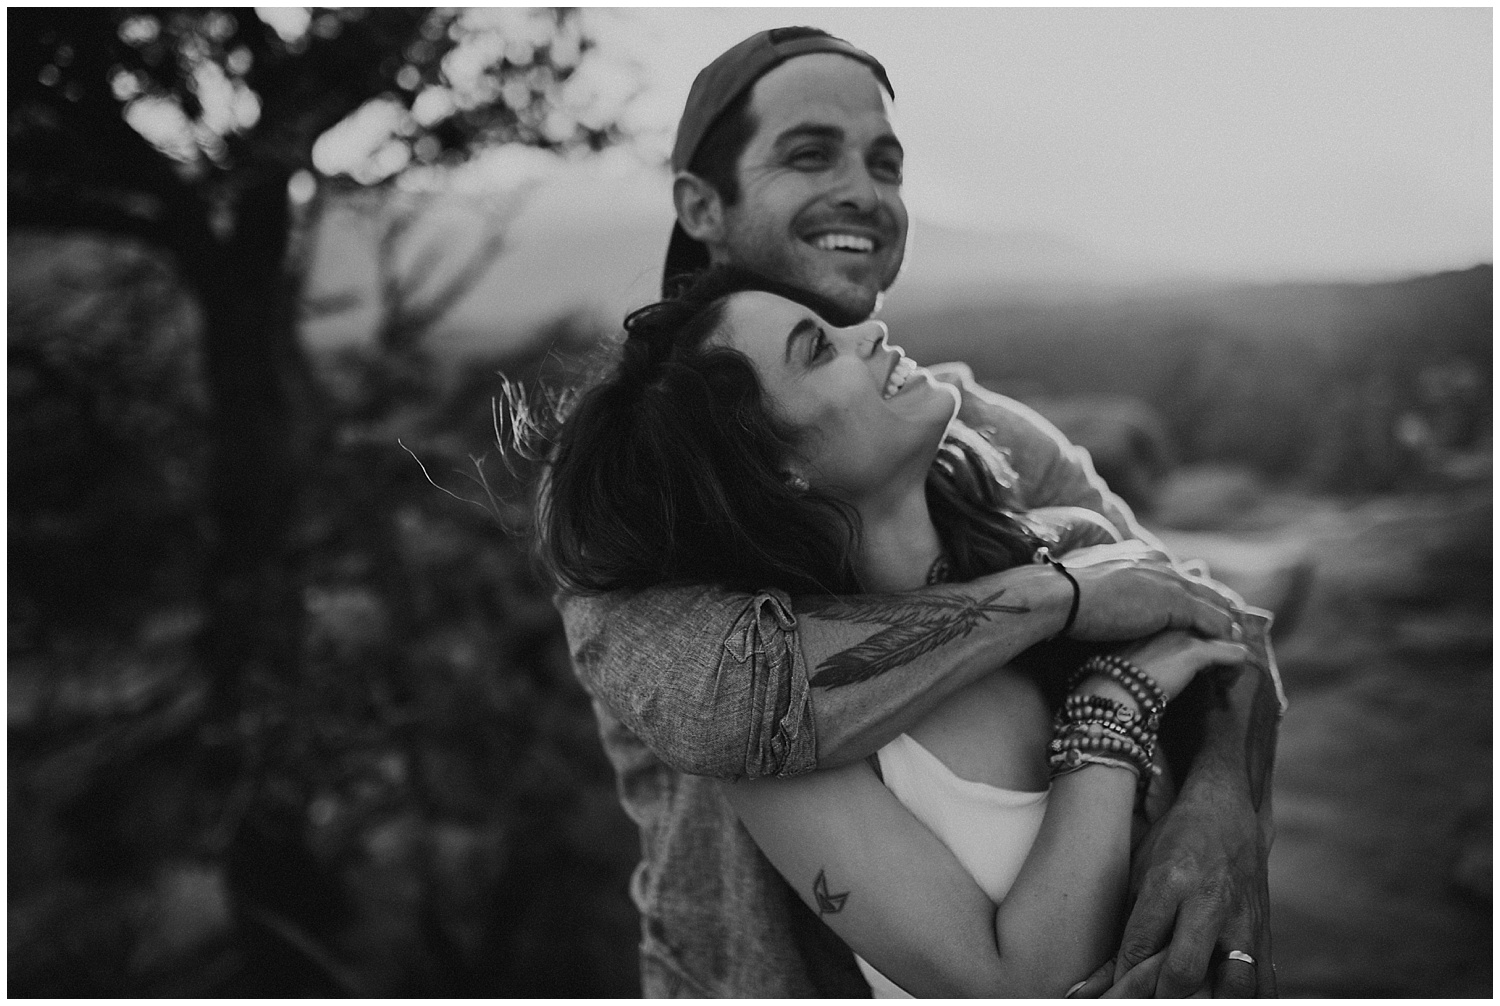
{"type": "Point", "coordinates": [809, 158]}
{"type": "Point", "coordinates": [886, 169]}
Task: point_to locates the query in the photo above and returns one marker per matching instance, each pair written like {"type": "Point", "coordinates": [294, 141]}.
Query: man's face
{"type": "Point", "coordinates": [820, 184]}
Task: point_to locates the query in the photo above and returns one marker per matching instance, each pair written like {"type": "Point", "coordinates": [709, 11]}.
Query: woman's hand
{"type": "Point", "coordinates": [1173, 658]}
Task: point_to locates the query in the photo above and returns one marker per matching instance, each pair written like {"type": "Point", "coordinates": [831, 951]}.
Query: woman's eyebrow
{"type": "Point", "coordinates": [804, 327]}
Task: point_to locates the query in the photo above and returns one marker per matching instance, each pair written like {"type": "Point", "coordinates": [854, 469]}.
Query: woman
{"type": "Point", "coordinates": [824, 461]}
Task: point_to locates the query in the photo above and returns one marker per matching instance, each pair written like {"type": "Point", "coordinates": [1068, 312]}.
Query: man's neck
{"type": "Point", "coordinates": [898, 542]}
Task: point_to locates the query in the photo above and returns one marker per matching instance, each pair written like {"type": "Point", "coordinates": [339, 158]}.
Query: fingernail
{"type": "Point", "coordinates": [1075, 988]}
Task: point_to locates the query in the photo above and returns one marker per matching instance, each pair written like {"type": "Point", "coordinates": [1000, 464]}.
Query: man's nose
{"type": "Point", "coordinates": [857, 188]}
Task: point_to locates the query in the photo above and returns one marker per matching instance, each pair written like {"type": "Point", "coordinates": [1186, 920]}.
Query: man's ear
{"type": "Point", "coordinates": [700, 211]}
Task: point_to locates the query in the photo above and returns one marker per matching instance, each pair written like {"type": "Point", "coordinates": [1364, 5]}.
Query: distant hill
{"type": "Point", "coordinates": [1338, 381]}
{"type": "Point", "coordinates": [1114, 340]}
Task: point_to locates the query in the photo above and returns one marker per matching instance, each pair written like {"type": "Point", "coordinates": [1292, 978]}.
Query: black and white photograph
{"type": "Point", "coordinates": [749, 502]}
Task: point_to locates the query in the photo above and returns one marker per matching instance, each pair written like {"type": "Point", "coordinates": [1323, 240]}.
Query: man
{"type": "Point", "coordinates": [786, 163]}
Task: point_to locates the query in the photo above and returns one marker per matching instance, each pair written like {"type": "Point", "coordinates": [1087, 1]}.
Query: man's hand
{"type": "Point", "coordinates": [1199, 880]}
{"type": "Point", "coordinates": [1127, 591]}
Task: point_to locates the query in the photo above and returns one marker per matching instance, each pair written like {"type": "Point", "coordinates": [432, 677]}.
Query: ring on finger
{"type": "Point", "coordinates": [1240, 955]}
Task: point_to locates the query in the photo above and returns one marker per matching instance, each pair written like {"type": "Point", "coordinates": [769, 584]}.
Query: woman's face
{"type": "Point", "coordinates": [871, 420]}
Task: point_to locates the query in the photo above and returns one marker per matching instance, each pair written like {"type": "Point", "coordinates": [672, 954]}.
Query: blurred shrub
{"type": "Point", "coordinates": [426, 809]}
{"type": "Point", "coordinates": [106, 413]}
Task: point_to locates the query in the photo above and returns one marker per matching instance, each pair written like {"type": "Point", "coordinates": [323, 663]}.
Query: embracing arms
{"type": "Point", "coordinates": [738, 686]}
{"type": "Point", "coordinates": [904, 900]}
{"type": "Point", "coordinates": [729, 685]}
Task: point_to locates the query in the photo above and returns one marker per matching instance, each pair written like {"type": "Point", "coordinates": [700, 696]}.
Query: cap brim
{"type": "Point", "coordinates": [685, 256]}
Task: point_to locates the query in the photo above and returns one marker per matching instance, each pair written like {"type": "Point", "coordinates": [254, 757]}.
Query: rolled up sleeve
{"type": "Point", "coordinates": [712, 681]}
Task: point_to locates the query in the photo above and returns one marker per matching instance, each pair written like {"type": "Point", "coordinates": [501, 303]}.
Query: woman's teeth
{"type": "Point", "coordinates": [905, 367]}
{"type": "Point", "coordinates": [844, 242]}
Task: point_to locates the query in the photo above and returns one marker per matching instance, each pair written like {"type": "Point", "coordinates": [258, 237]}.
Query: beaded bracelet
{"type": "Point", "coordinates": [1146, 692]}
{"type": "Point", "coordinates": [1099, 738]}
{"type": "Point", "coordinates": [1122, 750]}
{"type": "Point", "coordinates": [1069, 752]}
{"type": "Point", "coordinates": [1142, 686]}
{"type": "Point", "coordinates": [1092, 713]}
{"type": "Point", "coordinates": [1096, 729]}
{"type": "Point", "coordinates": [1134, 731]}
{"type": "Point", "coordinates": [1075, 760]}
{"type": "Point", "coordinates": [1077, 705]}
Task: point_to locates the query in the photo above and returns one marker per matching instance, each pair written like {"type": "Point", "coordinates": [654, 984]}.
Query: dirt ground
{"type": "Point", "coordinates": [1381, 868]}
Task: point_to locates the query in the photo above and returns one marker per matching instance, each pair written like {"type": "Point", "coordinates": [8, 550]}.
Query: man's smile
{"type": "Point", "coordinates": [865, 235]}
{"type": "Point", "coordinates": [838, 241]}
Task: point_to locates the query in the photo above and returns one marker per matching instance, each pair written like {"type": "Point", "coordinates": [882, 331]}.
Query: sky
{"type": "Point", "coordinates": [1250, 143]}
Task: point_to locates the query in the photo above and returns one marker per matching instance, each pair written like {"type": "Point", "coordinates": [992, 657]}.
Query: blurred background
{"type": "Point", "coordinates": [290, 712]}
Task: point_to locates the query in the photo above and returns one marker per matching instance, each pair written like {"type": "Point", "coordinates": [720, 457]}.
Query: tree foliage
{"type": "Point", "coordinates": [190, 128]}
{"type": "Point", "coordinates": [330, 747]}
{"type": "Point", "coordinates": [158, 122]}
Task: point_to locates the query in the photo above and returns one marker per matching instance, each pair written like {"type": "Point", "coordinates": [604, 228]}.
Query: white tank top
{"type": "Point", "coordinates": [990, 830]}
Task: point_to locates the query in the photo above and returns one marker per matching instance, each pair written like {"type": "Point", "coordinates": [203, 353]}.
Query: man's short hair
{"type": "Point", "coordinates": [717, 158]}
{"type": "Point", "coordinates": [717, 123]}
{"type": "Point", "coordinates": [718, 155]}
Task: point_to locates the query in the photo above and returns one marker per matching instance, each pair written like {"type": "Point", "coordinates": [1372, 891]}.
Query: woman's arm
{"type": "Point", "coordinates": [899, 896]}
{"type": "Point", "coordinates": [902, 901]}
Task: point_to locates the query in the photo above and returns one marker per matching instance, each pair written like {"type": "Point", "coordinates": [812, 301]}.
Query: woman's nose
{"type": "Point", "coordinates": [874, 334]}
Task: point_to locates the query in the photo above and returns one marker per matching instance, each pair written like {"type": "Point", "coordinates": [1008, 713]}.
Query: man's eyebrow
{"type": "Point", "coordinates": [809, 131]}
{"type": "Point", "coordinates": [804, 327]}
{"type": "Point", "coordinates": [823, 131]}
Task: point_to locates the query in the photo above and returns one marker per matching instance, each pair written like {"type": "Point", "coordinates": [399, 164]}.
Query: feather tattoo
{"type": "Point", "coordinates": [913, 626]}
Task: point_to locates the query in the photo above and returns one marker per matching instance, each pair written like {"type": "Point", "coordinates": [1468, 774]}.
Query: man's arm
{"type": "Point", "coordinates": [1200, 874]}
{"type": "Point", "coordinates": [738, 686]}
{"type": "Point", "coordinates": [1230, 719]}
{"type": "Point", "coordinates": [1199, 878]}
{"type": "Point", "coordinates": [718, 683]}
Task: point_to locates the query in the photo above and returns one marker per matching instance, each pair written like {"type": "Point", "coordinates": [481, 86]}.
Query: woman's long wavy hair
{"type": "Point", "coordinates": [674, 469]}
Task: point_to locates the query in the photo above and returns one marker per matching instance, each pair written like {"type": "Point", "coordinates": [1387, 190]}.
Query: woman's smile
{"type": "Point", "coordinates": [901, 372]}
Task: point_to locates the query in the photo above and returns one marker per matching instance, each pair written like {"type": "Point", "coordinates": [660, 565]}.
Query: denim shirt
{"type": "Point", "coordinates": [694, 684]}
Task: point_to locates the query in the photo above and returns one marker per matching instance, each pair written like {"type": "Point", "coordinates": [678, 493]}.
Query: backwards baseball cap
{"type": "Point", "coordinates": [715, 89]}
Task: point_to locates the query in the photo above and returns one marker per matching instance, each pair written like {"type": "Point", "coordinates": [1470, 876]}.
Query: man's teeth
{"type": "Point", "coordinates": [899, 376]}
{"type": "Point", "coordinates": [844, 242]}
